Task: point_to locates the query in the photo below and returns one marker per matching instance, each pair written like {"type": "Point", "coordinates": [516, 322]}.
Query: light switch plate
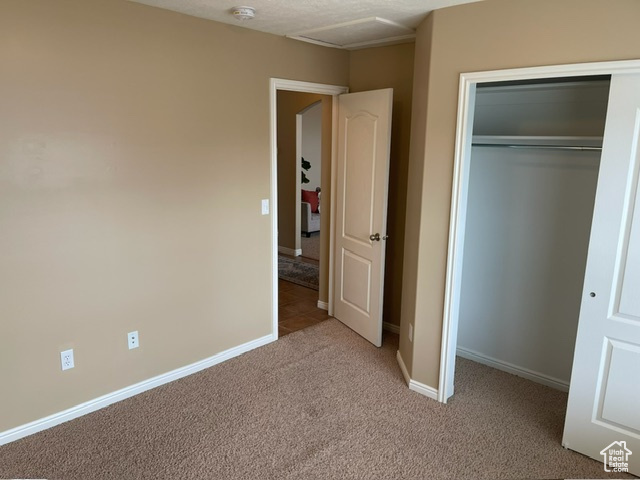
{"type": "Point", "coordinates": [265, 206]}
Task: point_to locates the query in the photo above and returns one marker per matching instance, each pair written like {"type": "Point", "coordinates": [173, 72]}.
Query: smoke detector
{"type": "Point", "coordinates": [244, 13]}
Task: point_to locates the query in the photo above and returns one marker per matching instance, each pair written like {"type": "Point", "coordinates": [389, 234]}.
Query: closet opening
{"type": "Point", "coordinates": [532, 175]}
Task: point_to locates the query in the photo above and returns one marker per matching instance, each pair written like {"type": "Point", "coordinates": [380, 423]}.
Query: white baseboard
{"type": "Point", "coordinates": [403, 368]}
{"type": "Point", "coordinates": [113, 397]}
{"type": "Point", "coordinates": [513, 369]}
{"type": "Point", "coordinates": [391, 327]}
{"type": "Point", "coordinates": [417, 387]}
{"type": "Point", "coordinates": [290, 251]}
{"type": "Point", "coordinates": [323, 305]}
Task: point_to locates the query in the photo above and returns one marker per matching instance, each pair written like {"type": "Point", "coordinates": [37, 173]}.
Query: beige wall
{"type": "Point", "coordinates": [489, 35]}
{"type": "Point", "coordinates": [391, 67]}
{"type": "Point", "coordinates": [289, 104]}
{"type": "Point", "coordinates": [134, 152]}
{"type": "Point", "coordinates": [414, 188]}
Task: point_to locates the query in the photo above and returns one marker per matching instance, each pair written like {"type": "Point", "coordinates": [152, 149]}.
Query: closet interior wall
{"type": "Point", "coordinates": [528, 222]}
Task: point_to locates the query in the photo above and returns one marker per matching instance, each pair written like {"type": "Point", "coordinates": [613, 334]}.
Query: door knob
{"type": "Point", "coordinates": [376, 237]}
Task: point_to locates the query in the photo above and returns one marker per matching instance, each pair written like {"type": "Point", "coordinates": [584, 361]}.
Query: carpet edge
{"type": "Point", "coordinates": [103, 401]}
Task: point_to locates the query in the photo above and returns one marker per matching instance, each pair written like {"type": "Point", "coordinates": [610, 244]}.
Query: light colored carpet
{"type": "Point", "coordinates": [311, 246]}
{"type": "Point", "coordinates": [300, 273]}
{"type": "Point", "coordinates": [321, 403]}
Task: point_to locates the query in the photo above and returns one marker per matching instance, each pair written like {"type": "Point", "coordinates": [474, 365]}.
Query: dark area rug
{"type": "Point", "coordinates": [300, 273]}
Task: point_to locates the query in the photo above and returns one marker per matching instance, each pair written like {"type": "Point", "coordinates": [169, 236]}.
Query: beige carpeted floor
{"type": "Point", "coordinates": [311, 246]}
{"type": "Point", "coordinates": [320, 403]}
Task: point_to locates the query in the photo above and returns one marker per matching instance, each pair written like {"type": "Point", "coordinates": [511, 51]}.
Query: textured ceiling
{"type": "Point", "coordinates": [339, 23]}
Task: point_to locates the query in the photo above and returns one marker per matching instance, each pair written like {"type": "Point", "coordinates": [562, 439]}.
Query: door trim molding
{"type": "Point", "coordinates": [276, 84]}
{"type": "Point", "coordinates": [298, 193]}
{"type": "Point", "coordinates": [466, 103]}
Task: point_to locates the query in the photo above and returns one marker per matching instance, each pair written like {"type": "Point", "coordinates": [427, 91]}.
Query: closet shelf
{"type": "Point", "coordinates": [553, 142]}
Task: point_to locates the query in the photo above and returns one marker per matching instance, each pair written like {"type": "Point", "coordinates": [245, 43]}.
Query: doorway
{"type": "Point", "coordinates": [303, 145]}
{"type": "Point", "coordinates": [533, 171]}
{"type": "Point", "coordinates": [358, 185]}
{"type": "Point", "coordinates": [462, 165]}
{"type": "Point", "coordinates": [596, 373]}
{"type": "Point", "coordinates": [325, 266]}
{"type": "Point", "coordinates": [309, 140]}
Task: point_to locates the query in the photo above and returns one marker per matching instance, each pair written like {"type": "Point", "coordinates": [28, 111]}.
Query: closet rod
{"type": "Point", "coordinates": [540, 147]}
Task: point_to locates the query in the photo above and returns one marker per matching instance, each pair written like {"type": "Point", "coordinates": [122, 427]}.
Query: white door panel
{"type": "Point", "coordinates": [604, 397]}
{"type": "Point", "coordinates": [356, 294]}
{"type": "Point", "coordinates": [359, 176]}
{"type": "Point", "coordinates": [364, 137]}
{"type": "Point", "coordinates": [629, 262]}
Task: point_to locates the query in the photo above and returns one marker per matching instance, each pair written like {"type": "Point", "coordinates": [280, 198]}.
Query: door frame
{"type": "Point", "coordinates": [299, 184]}
{"type": "Point", "coordinates": [276, 84]}
{"type": "Point", "coordinates": [462, 158]}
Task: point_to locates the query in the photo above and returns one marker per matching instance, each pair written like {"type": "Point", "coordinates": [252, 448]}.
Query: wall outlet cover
{"type": "Point", "coordinates": [66, 359]}
{"type": "Point", "coordinates": [133, 340]}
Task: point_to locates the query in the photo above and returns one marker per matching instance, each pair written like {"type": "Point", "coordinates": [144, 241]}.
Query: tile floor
{"type": "Point", "coordinates": [297, 308]}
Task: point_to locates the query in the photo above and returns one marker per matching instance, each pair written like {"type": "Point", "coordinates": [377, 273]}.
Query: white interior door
{"type": "Point", "coordinates": [604, 396]}
{"type": "Point", "coordinates": [364, 137]}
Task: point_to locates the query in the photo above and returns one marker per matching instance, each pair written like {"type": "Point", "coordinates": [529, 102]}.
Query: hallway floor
{"type": "Point", "coordinates": [297, 308]}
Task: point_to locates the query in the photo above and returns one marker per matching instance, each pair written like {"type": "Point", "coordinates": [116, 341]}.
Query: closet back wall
{"type": "Point", "coordinates": [528, 225]}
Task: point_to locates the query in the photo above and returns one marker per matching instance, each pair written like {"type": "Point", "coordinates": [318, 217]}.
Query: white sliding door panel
{"type": "Point", "coordinates": [628, 267]}
{"type": "Point", "coordinates": [604, 397]}
{"type": "Point", "coordinates": [364, 136]}
{"type": "Point", "coordinates": [619, 397]}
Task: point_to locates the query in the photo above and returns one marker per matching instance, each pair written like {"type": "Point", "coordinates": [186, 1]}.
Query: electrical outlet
{"type": "Point", "coordinates": [66, 359]}
{"type": "Point", "coordinates": [132, 338]}
{"type": "Point", "coordinates": [410, 333]}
